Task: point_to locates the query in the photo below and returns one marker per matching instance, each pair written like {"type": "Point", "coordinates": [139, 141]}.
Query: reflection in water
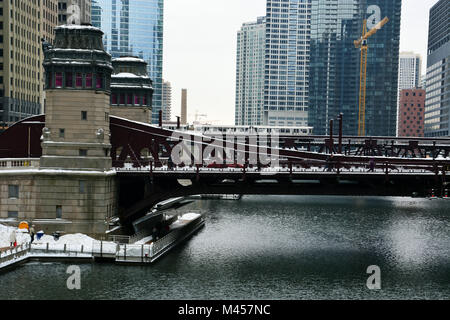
{"type": "Point", "coordinates": [277, 248]}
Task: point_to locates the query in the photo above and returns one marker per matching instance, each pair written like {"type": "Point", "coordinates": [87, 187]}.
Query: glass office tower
{"type": "Point", "coordinates": [335, 65]}
{"type": "Point", "coordinates": [437, 110]}
{"type": "Point", "coordinates": [134, 27]}
{"type": "Point", "coordinates": [286, 62]}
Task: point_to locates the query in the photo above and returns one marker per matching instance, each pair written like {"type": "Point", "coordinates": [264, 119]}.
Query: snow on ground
{"type": "Point", "coordinates": [5, 233]}
{"type": "Point", "coordinates": [72, 242]}
{"type": "Point", "coordinates": [190, 216]}
{"type": "Point", "coordinates": [144, 240]}
{"type": "Point", "coordinates": [184, 220]}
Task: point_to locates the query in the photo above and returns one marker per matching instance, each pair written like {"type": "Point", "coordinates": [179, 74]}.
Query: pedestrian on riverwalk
{"type": "Point", "coordinates": [13, 239]}
{"type": "Point", "coordinates": [372, 165]}
{"type": "Point", "coordinates": [32, 233]}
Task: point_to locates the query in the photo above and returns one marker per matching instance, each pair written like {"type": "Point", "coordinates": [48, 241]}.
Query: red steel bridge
{"type": "Point", "coordinates": [294, 165]}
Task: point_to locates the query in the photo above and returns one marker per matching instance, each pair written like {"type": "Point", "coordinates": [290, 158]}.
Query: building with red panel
{"type": "Point", "coordinates": [411, 113]}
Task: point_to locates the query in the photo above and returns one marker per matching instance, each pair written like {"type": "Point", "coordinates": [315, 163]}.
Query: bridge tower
{"type": "Point", "coordinates": [78, 75]}
{"type": "Point", "coordinates": [131, 89]}
{"type": "Point", "coordinates": [75, 182]}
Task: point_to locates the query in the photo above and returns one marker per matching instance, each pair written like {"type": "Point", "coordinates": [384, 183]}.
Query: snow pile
{"type": "Point", "coordinates": [72, 241]}
{"type": "Point", "coordinates": [144, 240]}
{"type": "Point", "coordinates": [190, 216]}
{"type": "Point", "coordinates": [5, 233]}
{"type": "Point", "coordinates": [184, 220]}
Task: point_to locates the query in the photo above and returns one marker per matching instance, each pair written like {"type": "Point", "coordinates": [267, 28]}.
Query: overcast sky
{"type": "Point", "coordinates": [200, 49]}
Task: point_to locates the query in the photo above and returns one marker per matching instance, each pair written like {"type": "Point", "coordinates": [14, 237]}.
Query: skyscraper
{"type": "Point", "coordinates": [335, 65]}
{"type": "Point", "coordinates": [23, 25]}
{"type": "Point", "coordinates": [287, 61]}
{"type": "Point", "coordinates": [410, 71]}
{"type": "Point", "coordinates": [250, 63]}
{"type": "Point", "coordinates": [334, 69]}
{"type": "Point", "coordinates": [134, 28]}
{"type": "Point", "coordinates": [167, 100]}
{"type": "Point", "coordinates": [437, 106]}
{"type": "Point", "coordinates": [409, 77]}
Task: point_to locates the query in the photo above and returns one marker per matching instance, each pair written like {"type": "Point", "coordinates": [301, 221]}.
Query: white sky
{"type": "Point", "coordinates": [200, 49]}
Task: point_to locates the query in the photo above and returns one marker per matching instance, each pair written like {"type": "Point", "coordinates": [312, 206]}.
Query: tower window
{"type": "Point", "coordinates": [88, 80]}
{"type": "Point", "coordinates": [58, 212]}
{"type": "Point", "coordinates": [82, 186]}
{"type": "Point", "coordinates": [58, 79]}
{"type": "Point", "coordinates": [99, 81]}
{"type": "Point", "coordinates": [49, 80]}
{"type": "Point", "coordinates": [13, 191]}
{"type": "Point", "coordinates": [13, 214]}
{"type": "Point", "coordinates": [69, 79]}
{"type": "Point", "coordinates": [83, 152]}
{"type": "Point", "coordinates": [62, 133]}
{"type": "Point", "coordinates": [79, 80]}
{"type": "Point", "coordinates": [83, 115]}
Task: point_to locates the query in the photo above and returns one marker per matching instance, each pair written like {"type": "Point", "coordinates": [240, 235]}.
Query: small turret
{"type": "Point", "coordinates": [131, 89]}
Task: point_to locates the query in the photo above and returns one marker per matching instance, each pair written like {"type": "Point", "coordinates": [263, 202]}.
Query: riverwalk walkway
{"type": "Point", "coordinates": [99, 250]}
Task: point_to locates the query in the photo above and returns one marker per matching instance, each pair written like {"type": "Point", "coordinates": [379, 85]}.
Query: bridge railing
{"type": "Point", "coordinates": [14, 253]}
{"type": "Point", "coordinates": [61, 249]}
{"type": "Point", "coordinates": [296, 166]}
{"type": "Point", "coordinates": [19, 164]}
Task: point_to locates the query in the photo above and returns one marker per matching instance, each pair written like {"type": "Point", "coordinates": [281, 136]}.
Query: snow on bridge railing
{"type": "Point", "coordinates": [15, 253]}
{"type": "Point", "coordinates": [19, 164]}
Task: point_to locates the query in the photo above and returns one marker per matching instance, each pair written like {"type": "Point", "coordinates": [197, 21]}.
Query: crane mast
{"type": "Point", "coordinates": [363, 45]}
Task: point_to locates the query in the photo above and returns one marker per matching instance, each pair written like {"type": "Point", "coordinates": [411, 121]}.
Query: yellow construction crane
{"type": "Point", "coordinates": [362, 44]}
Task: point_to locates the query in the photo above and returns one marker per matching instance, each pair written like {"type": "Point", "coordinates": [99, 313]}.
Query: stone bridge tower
{"type": "Point", "coordinates": [78, 75]}
{"type": "Point", "coordinates": [75, 183]}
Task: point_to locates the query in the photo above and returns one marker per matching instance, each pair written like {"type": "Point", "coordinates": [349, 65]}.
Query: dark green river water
{"type": "Point", "coordinates": [272, 247]}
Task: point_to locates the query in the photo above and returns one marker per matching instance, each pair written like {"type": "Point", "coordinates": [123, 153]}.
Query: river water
{"type": "Point", "coordinates": [276, 247]}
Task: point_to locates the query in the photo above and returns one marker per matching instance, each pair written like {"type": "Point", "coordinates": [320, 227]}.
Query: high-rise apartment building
{"type": "Point", "coordinates": [409, 76]}
{"type": "Point", "coordinates": [167, 100]}
{"type": "Point", "coordinates": [287, 62]}
{"type": "Point", "coordinates": [22, 26]}
{"type": "Point", "coordinates": [409, 71]}
{"type": "Point", "coordinates": [74, 12]}
{"type": "Point", "coordinates": [250, 66]}
{"type": "Point", "coordinates": [334, 72]}
{"type": "Point", "coordinates": [411, 117]}
{"type": "Point", "coordinates": [134, 28]}
{"type": "Point", "coordinates": [437, 106]}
